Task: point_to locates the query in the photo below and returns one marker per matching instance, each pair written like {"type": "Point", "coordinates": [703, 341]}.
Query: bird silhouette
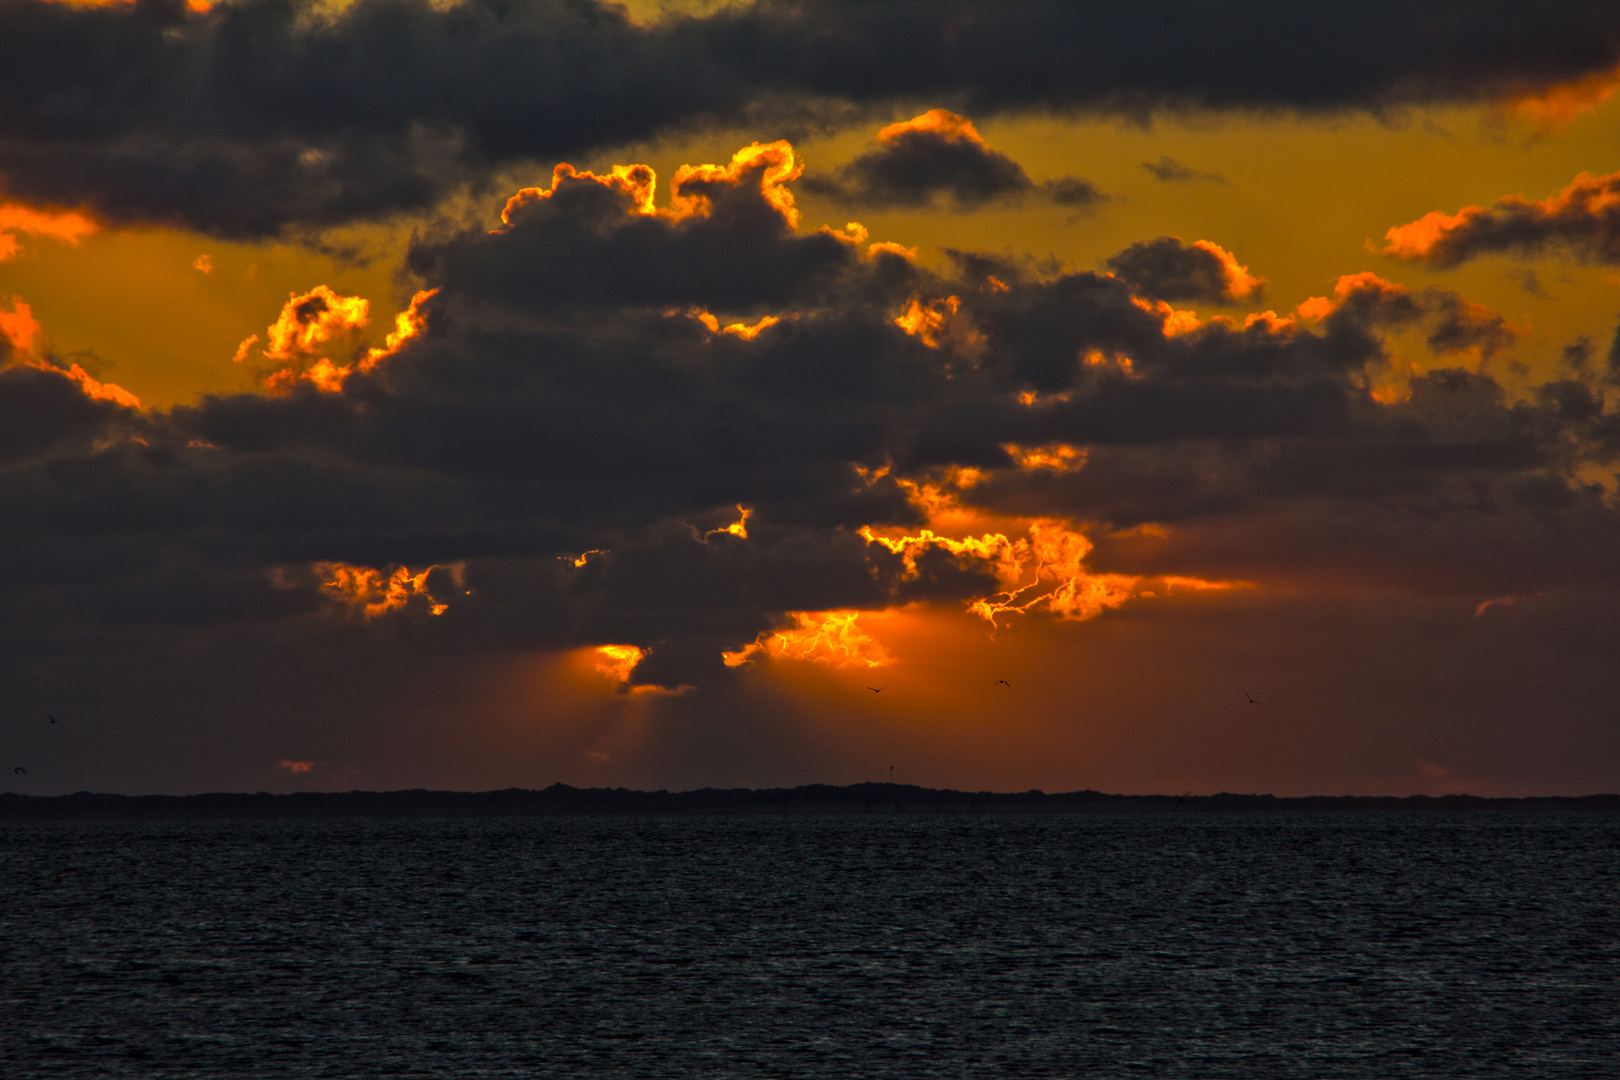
{"type": "Point", "coordinates": [1004, 682]}
{"type": "Point", "coordinates": [877, 689]}
{"type": "Point", "coordinates": [53, 719]}
{"type": "Point", "coordinates": [1251, 700]}
{"type": "Point", "coordinates": [20, 769]}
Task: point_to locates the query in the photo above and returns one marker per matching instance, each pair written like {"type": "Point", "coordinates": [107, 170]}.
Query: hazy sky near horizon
{"type": "Point", "coordinates": [1240, 384]}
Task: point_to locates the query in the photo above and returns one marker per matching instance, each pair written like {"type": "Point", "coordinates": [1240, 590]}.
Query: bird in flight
{"type": "Point", "coordinates": [1251, 700]}
{"type": "Point", "coordinates": [877, 689]}
{"type": "Point", "coordinates": [53, 719]}
{"type": "Point", "coordinates": [20, 769]}
{"type": "Point", "coordinates": [1004, 682]}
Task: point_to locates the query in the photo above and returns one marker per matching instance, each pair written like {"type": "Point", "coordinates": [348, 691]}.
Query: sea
{"type": "Point", "coordinates": [1204, 945]}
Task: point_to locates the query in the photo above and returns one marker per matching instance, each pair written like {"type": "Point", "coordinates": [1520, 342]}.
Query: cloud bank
{"type": "Point", "coordinates": [268, 117]}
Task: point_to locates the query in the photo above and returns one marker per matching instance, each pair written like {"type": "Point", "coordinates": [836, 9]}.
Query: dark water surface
{"type": "Point", "coordinates": [1207, 945]}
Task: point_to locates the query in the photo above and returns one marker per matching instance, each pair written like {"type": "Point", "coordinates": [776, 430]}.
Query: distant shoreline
{"type": "Point", "coordinates": [812, 799]}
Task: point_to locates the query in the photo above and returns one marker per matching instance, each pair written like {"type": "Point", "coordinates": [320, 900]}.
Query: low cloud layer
{"type": "Point", "coordinates": [265, 117]}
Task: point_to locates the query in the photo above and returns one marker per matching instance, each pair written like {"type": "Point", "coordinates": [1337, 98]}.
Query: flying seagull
{"type": "Point", "coordinates": [877, 689]}
{"type": "Point", "coordinates": [1004, 682]}
{"type": "Point", "coordinates": [1251, 700]}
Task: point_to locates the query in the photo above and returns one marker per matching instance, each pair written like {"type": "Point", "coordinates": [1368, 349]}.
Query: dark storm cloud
{"type": "Point", "coordinates": [1168, 269]}
{"type": "Point", "coordinates": [562, 456]}
{"type": "Point", "coordinates": [941, 154]}
{"type": "Point", "coordinates": [273, 115]}
{"type": "Point", "coordinates": [1582, 220]}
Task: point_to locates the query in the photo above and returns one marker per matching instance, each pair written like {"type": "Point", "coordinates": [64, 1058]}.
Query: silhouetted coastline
{"type": "Point", "coordinates": [871, 798]}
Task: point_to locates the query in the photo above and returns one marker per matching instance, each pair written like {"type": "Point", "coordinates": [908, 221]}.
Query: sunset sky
{"type": "Point", "coordinates": [485, 394]}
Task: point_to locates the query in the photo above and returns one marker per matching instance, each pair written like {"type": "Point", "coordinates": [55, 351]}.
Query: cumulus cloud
{"type": "Point", "coordinates": [1582, 219]}
{"type": "Point", "coordinates": [1168, 269]}
{"type": "Point", "coordinates": [267, 117]}
{"type": "Point", "coordinates": [937, 154]}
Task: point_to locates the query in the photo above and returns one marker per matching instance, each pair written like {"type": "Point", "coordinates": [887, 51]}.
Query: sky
{"type": "Point", "coordinates": [1141, 397]}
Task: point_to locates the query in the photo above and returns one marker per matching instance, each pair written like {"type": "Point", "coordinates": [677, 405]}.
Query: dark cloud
{"type": "Point", "coordinates": [1168, 269]}
{"type": "Point", "coordinates": [1171, 171]}
{"type": "Point", "coordinates": [1583, 219]}
{"type": "Point", "coordinates": [942, 154]}
{"type": "Point", "coordinates": [562, 454]}
{"type": "Point", "coordinates": [268, 116]}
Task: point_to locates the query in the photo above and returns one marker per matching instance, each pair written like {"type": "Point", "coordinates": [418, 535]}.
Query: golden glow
{"type": "Point", "coordinates": [618, 661]}
{"type": "Point", "coordinates": [937, 320]}
{"type": "Point", "coordinates": [204, 263]}
{"type": "Point", "coordinates": [1045, 570]}
{"type": "Point", "coordinates": [373, 593]}
{"type": "Point", "coordinates": [738, 528]}
{"type": "Point", "coordinates": [16, 218]}
{"type": "Point", "coordinates": [308, 321]}
{"type": "Point", "coordinates": [825, 637]}
{"type": "Point", "coordinates": [296, 766]}
{"type": "Point", "coordinates": [749, 333]}
{"type": "Point", "coordinates": [1059, 457]}
{"type": "Point", "coordinates": [775, 162]}
{"type": "Point", "coordinates": [585, 557]}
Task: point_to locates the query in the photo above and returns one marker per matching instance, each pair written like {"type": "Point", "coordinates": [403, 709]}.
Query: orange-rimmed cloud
{"type": "Point", "coordinates": [638, 182]}
{"type": "Point", "coordinates": [1043, 570]}
{"type": "Point", "coordinates": [372, 593]}
{"type": "Point", "coordinates": [1583, 218]}
{"type": "Point", "coordinates": [68, 227]}
{"type": "Point", "coordinates": [826, 637]}
{"type": "Point", "coordinates": [1454, 323]}
{"type": "Point", "coordinates": [311, 323]}
{"type": "Point", "coordinates": [772, 166]}
{"type": "Point", "coordinates": [22, 334]}
{"type": "Point", "coordinates": [618, 661]}
{"type": "Point", "coordinates": [1168, 269]}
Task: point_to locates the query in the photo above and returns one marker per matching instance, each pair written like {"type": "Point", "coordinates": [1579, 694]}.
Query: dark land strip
{"type": "Point", "coordinates": [872, 798]}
